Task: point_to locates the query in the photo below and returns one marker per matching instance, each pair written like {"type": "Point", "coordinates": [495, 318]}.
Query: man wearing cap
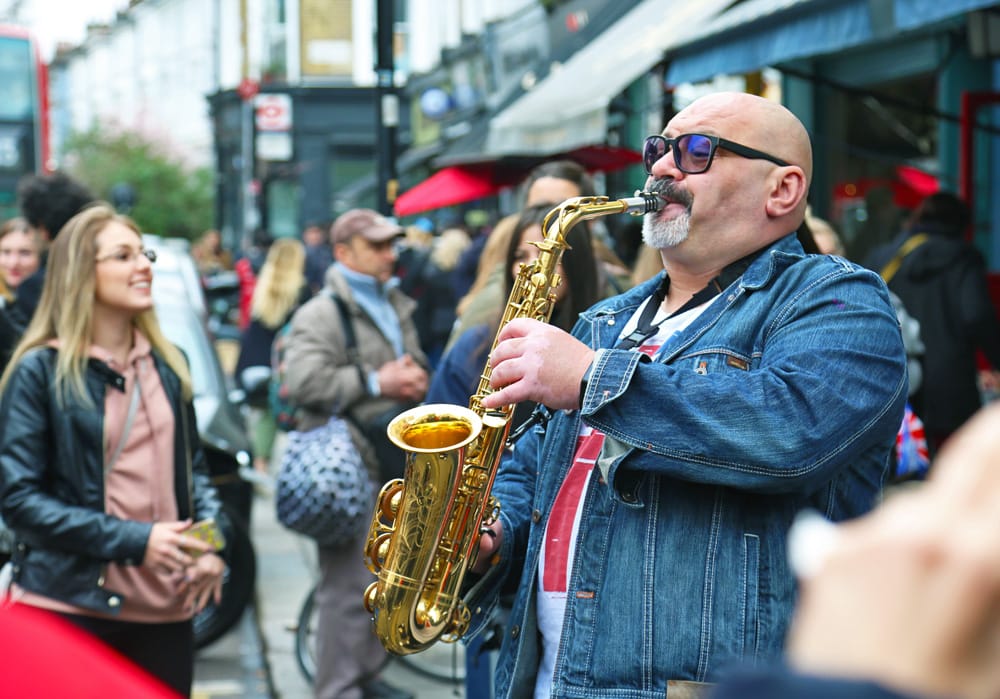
{"type": "Point", "coordinates": [324, 381]}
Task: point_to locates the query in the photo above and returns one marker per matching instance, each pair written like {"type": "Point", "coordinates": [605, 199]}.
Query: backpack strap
{"type": "Point", "coordinates": [911, 244]}
{"type": "Point", "coordinates": [350, 339]}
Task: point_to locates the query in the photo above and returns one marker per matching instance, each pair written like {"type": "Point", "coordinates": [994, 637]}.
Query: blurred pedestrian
{"type": "Point", "coordinates": [827, 239]}
{"type": "Point", "coordinates": [324, 379]}
{"type": "Point", "coordinates": [8, 332]}
{"type": "Point", "coordinates": [47, 202]}
{"type": "Point", "coordinates": [428, 281]}
{"type": "Point", "coordinates": [941, 280]}
{"type": "Point", "coordinates": [20, 252]}
{"type": "Point", "coordinates": [247, 267]}
{"type": "Point", "coordinates": [458, 375]}
{"type": "Point", "coordinates": [550, 183]}
{"type": "Point", "coordinates": [101, 472]}
{"type": "Point", "coordinates": [20, 257]}
{"type": "Point", "coordinates": [319, 255]}
{"type": "Point", "coordinates": [209, 255]}
{"type": "Point", "coordinates": [280, 289]}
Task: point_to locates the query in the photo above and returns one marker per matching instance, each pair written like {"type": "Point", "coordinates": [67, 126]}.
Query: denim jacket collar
{"type": "Point", "coordinates": [774, 259]}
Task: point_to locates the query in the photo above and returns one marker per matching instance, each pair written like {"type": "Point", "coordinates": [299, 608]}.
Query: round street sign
{"type": "Point", "coordinates": [248, 88]}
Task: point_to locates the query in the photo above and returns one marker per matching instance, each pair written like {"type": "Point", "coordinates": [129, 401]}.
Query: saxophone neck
{"type": "Point", "coordinates": [577, 209]}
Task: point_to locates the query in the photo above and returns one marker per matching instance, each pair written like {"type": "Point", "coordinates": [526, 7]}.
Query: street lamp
{"type": "Point", "coordinates": [387, 109]}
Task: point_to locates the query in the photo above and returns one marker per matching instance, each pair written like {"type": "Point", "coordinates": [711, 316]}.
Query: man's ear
{"type": "Point", "coordinates": [788, 188]}
{"type": "Point", "coordinates": [340, 250]}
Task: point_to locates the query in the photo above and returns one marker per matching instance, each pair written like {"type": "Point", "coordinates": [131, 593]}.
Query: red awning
{"type": "Point", "coordinates": [458, 184]}
{"type": "Point", "coordinates": [454, 185]}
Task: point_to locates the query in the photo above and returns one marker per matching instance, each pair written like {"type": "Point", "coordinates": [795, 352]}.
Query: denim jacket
{"type": "Point", "coordinates": [785, 393]}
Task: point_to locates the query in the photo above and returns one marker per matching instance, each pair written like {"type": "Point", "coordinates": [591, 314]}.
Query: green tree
{"type": "Point", "coordinates": [169, 199]}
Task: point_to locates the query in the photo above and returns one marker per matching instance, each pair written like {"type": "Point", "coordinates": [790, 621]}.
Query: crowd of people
{"type": "Point", "coordinates": [688, 406]}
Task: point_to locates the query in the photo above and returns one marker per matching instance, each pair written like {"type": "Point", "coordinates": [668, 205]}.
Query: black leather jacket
{"type": "Point", "coordinates": [52, 477]}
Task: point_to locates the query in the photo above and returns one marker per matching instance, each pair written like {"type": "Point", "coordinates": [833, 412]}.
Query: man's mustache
{"type": "Point", "coordinates": [670, 192]}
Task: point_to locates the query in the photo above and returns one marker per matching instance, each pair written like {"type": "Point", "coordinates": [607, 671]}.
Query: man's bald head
{"type": "Point", "coordinates": [760, 123]}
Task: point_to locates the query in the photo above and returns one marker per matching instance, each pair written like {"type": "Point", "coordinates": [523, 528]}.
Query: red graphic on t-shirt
{"type": "Point", "coordinates": [560, 539]}
{"type": "Point", "coordinates": [559, 532]}
{"type": "Point", "coordinates": [649, 350]}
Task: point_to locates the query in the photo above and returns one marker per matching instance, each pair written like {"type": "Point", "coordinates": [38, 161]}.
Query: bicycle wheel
{"type": "Point", "coordinates": [305, 637]}
{"type": "Point", "coordinates": [442, 662]}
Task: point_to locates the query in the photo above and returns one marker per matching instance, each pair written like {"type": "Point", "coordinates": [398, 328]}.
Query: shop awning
{"type": "Point", "coordinates": [458, 184]}
{"type": "Point", "coordinates": [911, 14]}
{"type": "Point", "coordinates": [759, 33]}
{"type": "Point", "coordinates": [452, 185]}
{"type": "Point", "coordinates": [569, 108]}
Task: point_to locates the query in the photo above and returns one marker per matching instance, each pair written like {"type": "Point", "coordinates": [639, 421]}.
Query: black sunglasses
{"type": "Point", "coordinates": [693, 152]}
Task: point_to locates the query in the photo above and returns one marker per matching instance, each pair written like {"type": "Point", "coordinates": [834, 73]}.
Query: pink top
{"type": "Point", "coordinates": [139, 486]}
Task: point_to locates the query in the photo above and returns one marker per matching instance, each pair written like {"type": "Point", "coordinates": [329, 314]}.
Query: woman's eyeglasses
{"type": "Point", "coordinates": [128, 255]}
{"type": "Point", "coordinates": [693, 152]}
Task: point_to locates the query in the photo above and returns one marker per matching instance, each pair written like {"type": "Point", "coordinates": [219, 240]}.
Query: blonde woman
{"type": "Point", "coordinates": [101, 475]}
{"type": "Point", "coordinates": [281, 288]}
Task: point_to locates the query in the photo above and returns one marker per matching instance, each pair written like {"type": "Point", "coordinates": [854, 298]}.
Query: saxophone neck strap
{"type": "Point", "coordinates": [645, 328]}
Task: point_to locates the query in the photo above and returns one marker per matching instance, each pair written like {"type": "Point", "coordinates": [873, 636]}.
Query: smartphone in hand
{"type": "Point", "coordinates": [206, 530]}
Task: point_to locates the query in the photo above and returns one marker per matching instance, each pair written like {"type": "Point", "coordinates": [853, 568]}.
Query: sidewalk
{"type": "Point", "coordinates": [286, 570]}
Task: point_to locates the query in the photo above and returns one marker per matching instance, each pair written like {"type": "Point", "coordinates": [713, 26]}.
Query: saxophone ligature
{"type": "Point", "coordinates": [426, 526]}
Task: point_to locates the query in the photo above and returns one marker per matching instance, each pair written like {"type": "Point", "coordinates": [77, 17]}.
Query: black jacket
{"type": "Point", "coordinates": [52, 482]}
{"type": "Point", "coordinates": [942, 283]}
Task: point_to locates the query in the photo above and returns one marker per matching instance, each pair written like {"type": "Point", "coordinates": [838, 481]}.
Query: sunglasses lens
{"type": "Point", "coordinates": [653, 149]}
{"type": "Point", "coordinates": [696, 153]}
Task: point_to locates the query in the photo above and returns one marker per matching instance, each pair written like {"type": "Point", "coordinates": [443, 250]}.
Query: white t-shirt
{"type": "Point", "coordinates": [555, 562]}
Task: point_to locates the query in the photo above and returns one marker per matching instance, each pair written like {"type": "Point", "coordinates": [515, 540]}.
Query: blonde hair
{"type": "Point", "coordinates": [5, 292]}
{"type": "Point", "coordinates": [280, 283]}
{"type": "Point", "coordinates": [449, 248]}
{"type": "Point", "coordinates": [66, 310]}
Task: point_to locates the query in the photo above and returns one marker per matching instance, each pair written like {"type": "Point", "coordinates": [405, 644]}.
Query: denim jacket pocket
{"type": "Point", "coordinates": [751, 595]}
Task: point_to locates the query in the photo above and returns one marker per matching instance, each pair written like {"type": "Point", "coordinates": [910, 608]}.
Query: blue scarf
{"type": "Point", "coordinates": [373, 298]}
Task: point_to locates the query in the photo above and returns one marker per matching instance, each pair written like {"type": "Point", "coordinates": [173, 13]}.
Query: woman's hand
{"type": "Point", "coordinates": [165, 549]}
{"type": "Point", "coordinates": [202, 581]}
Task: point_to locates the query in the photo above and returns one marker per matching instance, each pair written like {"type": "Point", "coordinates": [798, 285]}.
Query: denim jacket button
{"type": "Point", "coordinates": [114, 602]}
{"type": "Point", "coordinates": [536, 516]}
{"type": "Point", "coordinates": [515, 631]}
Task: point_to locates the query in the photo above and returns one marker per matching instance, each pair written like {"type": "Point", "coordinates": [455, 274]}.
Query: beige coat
{"type": "Point", "coordinates": [319, 375]}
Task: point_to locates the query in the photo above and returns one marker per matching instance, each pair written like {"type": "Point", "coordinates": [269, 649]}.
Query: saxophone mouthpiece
{"type": "Point", "coordinates": [643, 203]}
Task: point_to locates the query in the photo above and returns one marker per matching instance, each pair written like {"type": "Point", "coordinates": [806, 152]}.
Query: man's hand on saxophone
{"type": "Point", "coordinates": [489, 547]}
{"type": "Point", "coordinates": [538, 362]}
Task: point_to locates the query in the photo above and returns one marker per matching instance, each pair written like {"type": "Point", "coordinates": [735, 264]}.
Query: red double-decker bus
{"type": "Point", "coordinates": [24, 114]}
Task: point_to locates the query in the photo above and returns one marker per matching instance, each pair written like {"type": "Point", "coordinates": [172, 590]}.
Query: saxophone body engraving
{"type": "Point", "coordinates": [425, 529]}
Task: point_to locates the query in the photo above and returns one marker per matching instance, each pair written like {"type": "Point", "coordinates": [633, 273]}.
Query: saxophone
{"type": "Point", "coordinates": [426, 526]}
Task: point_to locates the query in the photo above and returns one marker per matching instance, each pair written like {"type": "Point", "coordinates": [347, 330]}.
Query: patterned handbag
{"type": "Point", "coordinates": [323, 489]}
